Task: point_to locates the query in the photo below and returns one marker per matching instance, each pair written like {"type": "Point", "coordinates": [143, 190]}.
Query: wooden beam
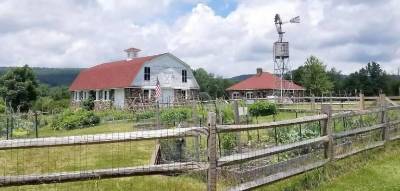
{"type": "Point", "coordinates": [101, 138]}
{"type": "Point", "coordinates": [357, 131]}
{"type": "Point", "coordinates": [240, 157]}
{"type": "Point", "coordinates": [278, 176]}
{"type": "Point", "coordinates": [100, 174]}
{"type": "Point", "coordinates": [300, 120]}
{"type": "Point", "coordinates": [355, 113]}
{"type": "Point", "coordinates": [355, 151]}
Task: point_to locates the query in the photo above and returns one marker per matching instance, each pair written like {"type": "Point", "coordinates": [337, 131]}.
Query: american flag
{"type": "Point", "coordinates": [158, 89]}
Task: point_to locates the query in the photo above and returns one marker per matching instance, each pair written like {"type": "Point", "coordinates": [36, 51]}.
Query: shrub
{"type": "Point", "coordinates": [48, 104]}
{"type": "Point", "coordinates": [227, 113]}
{"type": "Point", "coordinates": [228, 142]}
{"type": "Point", "coordinates": [88, 104]}
{"type": "Point", "coordinates": [171, 116]}
{"type": "Point", "coordinates": [74, 119]}
{"type": "Point", "coordinates": [262, 108]}
{"type": "Point", "coordinates": [144, 115]}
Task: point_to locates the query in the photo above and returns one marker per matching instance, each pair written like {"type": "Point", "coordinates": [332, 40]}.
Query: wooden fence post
{"type": "Point", "coordinates": [36, 125]}
{"type": "Point", "coordinates": [383, 118]}
{"type": "Point", "coordinates": [328, 131]}
{"type": "Point", "coordinates": [312, 102]}
{"type": "Point", "coordinates": [362, 101]}
{"type": "Point", "coordinates": [212, 152]}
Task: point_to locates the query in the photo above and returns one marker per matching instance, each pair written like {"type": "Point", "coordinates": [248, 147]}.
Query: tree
{"type": "Point", "coordinates": [19, 88]}
{"type": "Point", "coordinates": [313, 76]}
{"type": "Point", "coordinates": [213, 86]}
{"type": "Point", "coordinates": [370, 79]}
{"type": "Point", "coordinates": [337, 79]}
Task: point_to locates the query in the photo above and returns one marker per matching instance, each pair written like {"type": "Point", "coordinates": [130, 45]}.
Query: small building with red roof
{"type": "Point", "coordinates": [133, 80]}
{"type": "Point", "coordinates": [262, 85]}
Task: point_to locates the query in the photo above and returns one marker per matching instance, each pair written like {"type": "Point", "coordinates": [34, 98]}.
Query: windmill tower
{"type": "Point", "coordinates": [281, 57]}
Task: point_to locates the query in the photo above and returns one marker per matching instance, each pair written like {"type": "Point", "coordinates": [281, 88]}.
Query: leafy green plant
{"type": "Point", "coordinates": [88, 104]}
{"type": "Point", "coordinates": [171, 116]}
{"type": "Point", "coordinates": [228, 142]}
{"type": "Point", "coordinates": [262, 108]}
{"type": "Point", "coordinates": [144, 115]}
{"type": "Point", "coordinates": [227, 113]}
{"type": "Point", "coordinates": [75, 119]}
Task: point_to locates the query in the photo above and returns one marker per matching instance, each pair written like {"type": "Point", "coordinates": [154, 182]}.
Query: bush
{"type": "Point", "coordinates": [88, 104]}
{"type": "Point", "coordinates": [171, 116]}
{"type": "Point", "coordinates": [228, 142]}
{"type": "Point", "coordinates": [262, 108]}
{"type": "Point", "coordinates": [74, 119]}
{"type": "Point", "coordinates": [114, 114]}
{"type": "Point", "coordinates": [227, 113]}
{"type": "Point", "coordinates": [48, 104]}
{"type": "Point", "coordinates": [144, 115]}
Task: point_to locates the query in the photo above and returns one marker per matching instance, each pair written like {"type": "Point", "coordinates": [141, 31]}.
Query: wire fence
{"type": "Point", "coordinates": [233, 153]}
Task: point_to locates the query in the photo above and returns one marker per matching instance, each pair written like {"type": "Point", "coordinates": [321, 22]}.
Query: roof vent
{"type": "Point", "coordinates": [259, 71]}
{"type": "Point", "coordinates": [132, 53]}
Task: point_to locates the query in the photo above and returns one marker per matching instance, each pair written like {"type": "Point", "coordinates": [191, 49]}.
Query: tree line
{"type": "Point", "coordinates": [370, 79]}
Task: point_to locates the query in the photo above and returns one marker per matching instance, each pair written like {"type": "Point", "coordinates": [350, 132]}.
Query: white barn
{"type": "Point", "coordinates": [124, 83]}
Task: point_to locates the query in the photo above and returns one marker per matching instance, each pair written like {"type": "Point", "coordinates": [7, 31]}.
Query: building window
{"type": "Point", "coordinates": [249, 95]}
{"type": "Point", "coordinates": [147, 73]}
{"type": "Point", "coordinates": [105, 95]}
{"type": "Point", "coordinates": [235, 95]}
{"type": "Point", "coordinates": [112, 92]}
{"type": "Point", "coordinates": [100, 94]}
{"type": "Point", "coordinates": [80, 95]}
{"type": "Point", "coordinates": [146, 94]}
{"type": "Point", "coordinates": [184, 76]}
{"type": "Point", "coordinates": [183, 93]}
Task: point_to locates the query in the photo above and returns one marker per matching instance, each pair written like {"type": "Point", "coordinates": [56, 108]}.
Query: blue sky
{"type": "Point", "coordinates": [225, 37]}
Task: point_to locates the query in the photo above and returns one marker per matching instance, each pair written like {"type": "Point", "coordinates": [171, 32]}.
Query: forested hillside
{"type": "Point", "coordinates": [52, 76]}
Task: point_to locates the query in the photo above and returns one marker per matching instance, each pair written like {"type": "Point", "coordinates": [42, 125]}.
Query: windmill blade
{"type": "Point", "coordinates": [295, 19]}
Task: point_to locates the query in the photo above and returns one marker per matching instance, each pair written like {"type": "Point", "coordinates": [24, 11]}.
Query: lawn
{"type": "Point", "coordinates": [375, 170]}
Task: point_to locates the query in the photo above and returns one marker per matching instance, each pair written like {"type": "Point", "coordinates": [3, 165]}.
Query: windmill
{"type": "Point", "coordinates": [281, 55]}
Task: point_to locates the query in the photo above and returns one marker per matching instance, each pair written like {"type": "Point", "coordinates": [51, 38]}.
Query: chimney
{"type": "Point", "coordinates": [132, 53]}
{"type": "Point", "coordinates": [259, 71]}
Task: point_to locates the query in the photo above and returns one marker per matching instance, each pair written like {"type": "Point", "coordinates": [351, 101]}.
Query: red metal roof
{"type": "Point", "coordinates": [264, 81]}
{"type": "Point", "coordinates": [116, 74]}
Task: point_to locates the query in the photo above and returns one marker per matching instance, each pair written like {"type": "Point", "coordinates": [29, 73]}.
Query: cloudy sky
{"type": "Point", "coordinates": [225, 37]}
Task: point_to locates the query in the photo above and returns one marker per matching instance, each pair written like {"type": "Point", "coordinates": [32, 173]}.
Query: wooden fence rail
{"type": "Point", "coordinates": [102, 138]}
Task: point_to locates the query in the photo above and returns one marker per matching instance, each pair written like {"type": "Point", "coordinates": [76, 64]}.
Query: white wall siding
{"type": "Point", "coordinates": [119, 96]}
{"type": "Point", "coordinates": [168, 69]}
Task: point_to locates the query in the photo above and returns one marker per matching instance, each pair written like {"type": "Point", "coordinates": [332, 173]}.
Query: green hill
{"type": "Point", "coordinates": [52, 76]}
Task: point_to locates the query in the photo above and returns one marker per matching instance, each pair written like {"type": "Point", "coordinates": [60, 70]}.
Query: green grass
{"type": "Point", "coordinates": [102, 128]}
{"type": "Point", "coordinates": [142, 183]}
{"type": "Point", "coordinates": [375, 170]}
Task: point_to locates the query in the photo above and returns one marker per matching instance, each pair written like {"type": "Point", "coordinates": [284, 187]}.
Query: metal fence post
{"type": "Point", "coordinates": [212, 152]}
{"type": "Point", "coordinates": [237, 122]}
{"type": "Point", "coordinates": [328, 131]}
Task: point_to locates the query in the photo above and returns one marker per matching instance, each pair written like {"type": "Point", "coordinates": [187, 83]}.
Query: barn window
{"type": "Point", "coordinates": [147, 73]}
{"type": "Point", "coordinates": [184, 76]}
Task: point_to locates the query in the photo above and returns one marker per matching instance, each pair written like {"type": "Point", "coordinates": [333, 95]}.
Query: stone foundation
{"type": "Point", "coordinates": [102, 105]}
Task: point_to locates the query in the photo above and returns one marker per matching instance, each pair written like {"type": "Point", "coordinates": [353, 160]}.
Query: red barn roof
{"type": "Point", "coordinates": [118, 74]}
{"type": "Point", "coordinates": [262, 81]}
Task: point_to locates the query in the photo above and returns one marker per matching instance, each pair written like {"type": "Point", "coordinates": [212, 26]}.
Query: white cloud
{"type": "Point", "coordinates": [344, 34]}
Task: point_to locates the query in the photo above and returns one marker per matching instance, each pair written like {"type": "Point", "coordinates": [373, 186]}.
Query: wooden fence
{"type": "Point", "coordinates": [387, 126]}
